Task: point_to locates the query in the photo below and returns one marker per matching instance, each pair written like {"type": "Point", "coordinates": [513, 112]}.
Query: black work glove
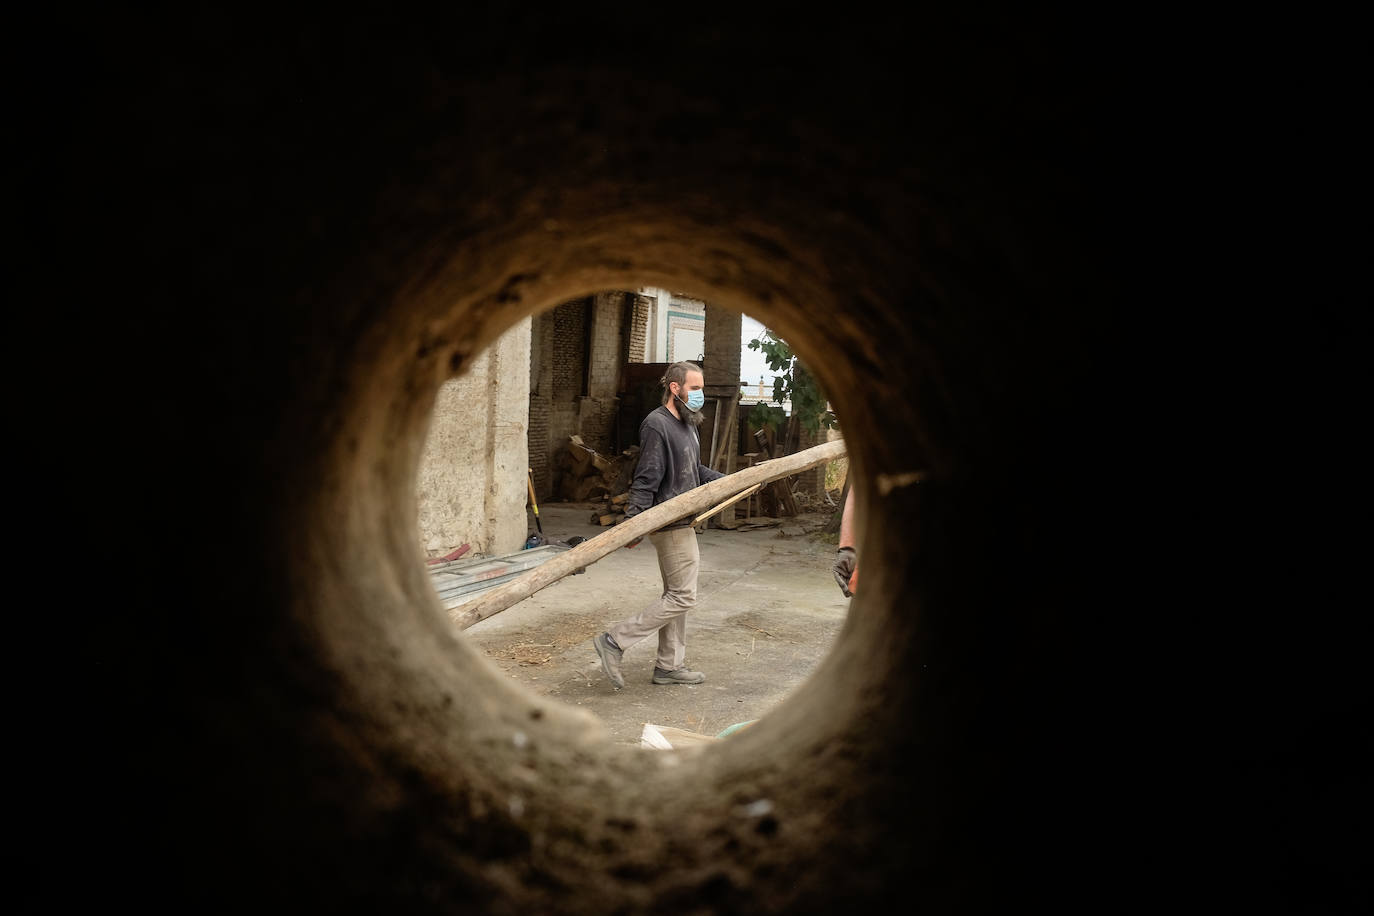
{"type": "Point", "coordinates": [845, 561]}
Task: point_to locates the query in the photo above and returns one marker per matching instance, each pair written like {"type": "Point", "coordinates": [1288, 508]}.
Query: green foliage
{"type": "Point", "coordinates": [768, 416]}
{"type": "Point", "coordinates": [792, 382]}
{"type": "Point", "coordinates": [835, 473]}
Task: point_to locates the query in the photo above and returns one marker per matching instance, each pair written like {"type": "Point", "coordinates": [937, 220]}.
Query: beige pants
{"type": "Point", "coordinates": [678, 562]}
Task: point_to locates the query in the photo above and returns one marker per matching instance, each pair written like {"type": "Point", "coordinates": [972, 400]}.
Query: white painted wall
{"type": "Point", "coordinates": [471, 487]}
{"type": "Point", "coordinates": [674, 337]}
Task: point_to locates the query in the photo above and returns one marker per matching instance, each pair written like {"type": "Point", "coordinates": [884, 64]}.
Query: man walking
{"type": "Point", "coordinates": [669, 465]}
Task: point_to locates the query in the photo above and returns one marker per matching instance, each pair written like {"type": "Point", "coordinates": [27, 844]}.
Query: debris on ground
{"type": "Point", "coordinates": [667, 738]}
{"type": "Point", "coordinates": [525, 653]}
{"type": "Point", "coordinates": [536, 647]}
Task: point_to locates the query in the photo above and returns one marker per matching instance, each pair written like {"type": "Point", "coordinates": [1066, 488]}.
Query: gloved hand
{"type": "Point", "coordinates": [845, 562]}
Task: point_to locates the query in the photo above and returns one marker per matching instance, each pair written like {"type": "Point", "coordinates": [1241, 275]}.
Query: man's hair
{"type": "Point", "coordinates": [677, 372]}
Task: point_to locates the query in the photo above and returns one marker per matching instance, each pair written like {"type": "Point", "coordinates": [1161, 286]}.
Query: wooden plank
{"type": "Point", "coordinates": [729, 502]}
{"type": "Point", "coordinates": [650, 520]}
{"type": "Point", "coordinates": [789, 502]}
{"type": "Point", "coordinates": [754, 501]}
{"type": "Point", "coordinates": [715, 427]}
{"type": "Point", "coordinates": [782, 491]}
{"type": "Point", "coordinates": [725, 457]}
{"type": "Point", "coordinates": [719, 450]}
{"type": "Point", "coordinates": [727, 516]}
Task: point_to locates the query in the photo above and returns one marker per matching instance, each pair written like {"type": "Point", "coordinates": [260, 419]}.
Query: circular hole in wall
{"type": "Point", "coordinates": [348, 242]}
{"type": "Point", "coordinates": [527, 466]}
{"type": "Point", "coordinates": [559, 805]}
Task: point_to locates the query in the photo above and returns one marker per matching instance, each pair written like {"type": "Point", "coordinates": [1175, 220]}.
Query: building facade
{"type": "Point", "coordinates": [587, 367]}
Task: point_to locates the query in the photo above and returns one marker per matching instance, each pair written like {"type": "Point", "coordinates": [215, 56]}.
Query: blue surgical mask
{"type": "Point", "coordinates": [695, 399]}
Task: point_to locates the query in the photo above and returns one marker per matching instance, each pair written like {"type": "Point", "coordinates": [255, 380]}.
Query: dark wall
{"type": "Point", "coordinates": [317, 220]}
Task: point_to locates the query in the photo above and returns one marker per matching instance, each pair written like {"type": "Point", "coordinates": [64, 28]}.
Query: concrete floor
{"type": "Point", "coordinates": [768, 610]}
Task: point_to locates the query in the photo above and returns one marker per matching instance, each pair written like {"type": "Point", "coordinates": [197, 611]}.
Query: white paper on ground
{"type": "Point", "coordinates": [652, 737]}
{"type": "Point", "coordinates": [667, 738]}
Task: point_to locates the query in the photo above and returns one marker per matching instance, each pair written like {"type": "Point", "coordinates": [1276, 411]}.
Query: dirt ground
{"type": "Point", "coordinates": [768, 610]}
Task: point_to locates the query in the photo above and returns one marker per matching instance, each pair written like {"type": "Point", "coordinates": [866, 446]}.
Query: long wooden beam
{"type": "Point", "coordinates": [646, 522]}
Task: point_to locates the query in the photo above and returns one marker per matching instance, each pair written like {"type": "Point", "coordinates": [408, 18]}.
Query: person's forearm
{"type": "Point", "coordinates": [642, 492]}
{"type": "Point", "coordinates": [636, 504]}
{"type": "Point", "coordinates": [847, 522]}
{"type": "Point", "coordinates": [648, 477]}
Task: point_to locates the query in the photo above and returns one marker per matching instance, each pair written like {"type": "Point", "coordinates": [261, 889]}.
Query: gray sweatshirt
{"type": "Point", "coordinates": [669, 464]}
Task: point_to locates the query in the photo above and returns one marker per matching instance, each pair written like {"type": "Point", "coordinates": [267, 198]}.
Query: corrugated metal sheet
{"type": "Point", "coordinates": [461, 580]}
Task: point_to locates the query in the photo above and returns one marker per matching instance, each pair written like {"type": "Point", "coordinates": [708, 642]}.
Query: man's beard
{"type": "Point", "coordinates": [689, 415]}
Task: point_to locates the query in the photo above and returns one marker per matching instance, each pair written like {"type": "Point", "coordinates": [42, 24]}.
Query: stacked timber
{"type": "Point", "coordinates": [583, 474]}
{"type": "Point", "coordinates": [612, 511]}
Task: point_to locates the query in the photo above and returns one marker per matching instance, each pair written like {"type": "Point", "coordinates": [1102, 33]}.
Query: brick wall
{"type": "Point", "coordinates": [607, 345]}
{"type": "Point", "coordinates": [596, 417]}
{"type": "Point", "coordinates": [541, 408]}
{"type": "Point", "coordinates": [596, 423]}
{"type": "Point", "coordinates": [576, 357]}
{"type": "Point", "coordinates": [557, 357]}
{"type": "Point", "coordinates": [569, 351]}
{"type": "Point", "coordinates": [723, 328]}
{"type": "Point", "coordinates": [639, 329]}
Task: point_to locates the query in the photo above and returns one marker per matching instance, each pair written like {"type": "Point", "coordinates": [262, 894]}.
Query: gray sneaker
{"type": "Point", "coordinates": [610, 658]}
{"type": "Point", "coordinates": [680, 676]}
